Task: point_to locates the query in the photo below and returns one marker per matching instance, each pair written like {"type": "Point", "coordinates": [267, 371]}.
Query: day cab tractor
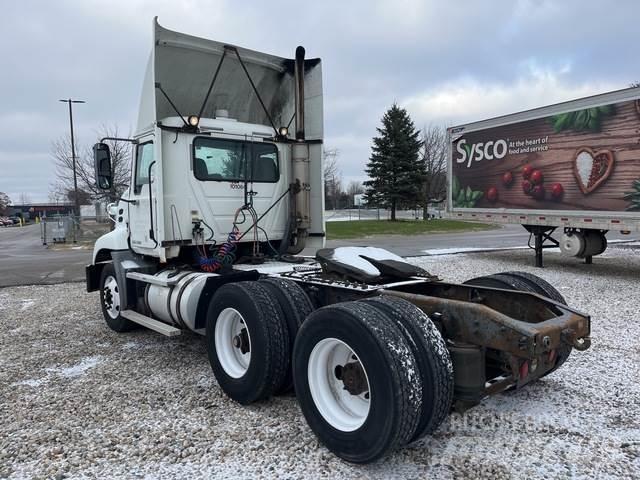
{"type": "Point", "coordinates": [226, 192]}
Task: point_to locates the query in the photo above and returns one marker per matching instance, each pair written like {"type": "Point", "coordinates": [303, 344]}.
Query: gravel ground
{"type": "Point", "coordinates": [79, 401]}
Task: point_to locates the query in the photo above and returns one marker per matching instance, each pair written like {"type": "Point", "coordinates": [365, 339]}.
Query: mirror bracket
{"type": "Point", "coordinates": [118, 139]}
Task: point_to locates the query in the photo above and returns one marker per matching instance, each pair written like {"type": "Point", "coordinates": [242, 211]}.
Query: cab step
{"type": "Point", "coordinates": [150, 323]}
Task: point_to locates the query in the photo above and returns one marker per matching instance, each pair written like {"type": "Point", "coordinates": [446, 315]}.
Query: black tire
{"type": "Point", "coordinates": [539, 285]}
{"type": "Point", "coordinates": [269, 341]}
{"type": "Point", "coordinates": [544, 288]}
{"type": "Point", "coordinates": [432, 356]}
{"type": "Point", "coordinates": [391, 371]}
{"type": "Point", "coordinates": [117, 323]}
{"type": "Point", "coordinates": [296, 307]}
{"type": "Point", "coordinates": [527, 282]}
{"type": "Point", "coordinates": [501, 280]}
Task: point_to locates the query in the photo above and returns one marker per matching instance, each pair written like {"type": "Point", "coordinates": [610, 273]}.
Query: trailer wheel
{"type": "Point", "coordinates": [296, 307]}
{"type": "Point", "coordinates": [110, 301]}
{"type": "Point", "coordinates": [432, 356]}
{"type": "Point", "coordinates": [357, 381]}
{"type": "Point", "coordinates": [527, 282]}
{"type": "Point", "coordinates": [247, 341]}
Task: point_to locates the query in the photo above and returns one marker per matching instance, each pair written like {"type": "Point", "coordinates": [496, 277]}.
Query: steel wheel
{"type": "Point", "coordinates": [247, 341]}
{"type": "Point", "coordinates": [112, 301]}
{"type": "Point", "coordinates": [111, 297]}
{"type": "Point", "coordinates": [339, 385]}
{"type": "Point", "coordinates": [233, 343]}
{"type": "Point", "coordinates": [357, 381]}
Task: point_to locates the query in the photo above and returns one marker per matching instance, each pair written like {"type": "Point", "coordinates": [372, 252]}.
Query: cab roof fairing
{"type": "Point", "coordinates": [184, 66]}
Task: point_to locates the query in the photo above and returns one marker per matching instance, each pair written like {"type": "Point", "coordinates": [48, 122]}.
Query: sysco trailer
{"type": "Point", "coordinates": [573, 166]}
{"type": "Point", "coordinates": [225, 193]}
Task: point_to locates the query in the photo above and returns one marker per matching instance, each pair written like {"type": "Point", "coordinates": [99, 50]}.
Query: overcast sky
{"type": "Point", "coordinates": [446, 62]}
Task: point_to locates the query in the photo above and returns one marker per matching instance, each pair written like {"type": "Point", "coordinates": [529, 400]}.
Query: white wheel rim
{"type": "Point", "coordinates": [341, 409]}
{"type": "Point", "coordinates": [230, 325]}
{"type": "Point", "coordinates": [111, 297]}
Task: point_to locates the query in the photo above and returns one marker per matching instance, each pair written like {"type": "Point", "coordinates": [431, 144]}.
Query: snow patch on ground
{"type": "Point", "coordinates": [32, 382]}
{"type": "Point", "coordinates": [77, 369]}
{"type": "Point", "coordinates": [27, 303]}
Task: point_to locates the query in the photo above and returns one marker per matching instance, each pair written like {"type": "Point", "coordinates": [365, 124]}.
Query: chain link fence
{"type": "Point", "coordinates": [70, 229]}
{"type": "Point", "coordinates": [350, 214]}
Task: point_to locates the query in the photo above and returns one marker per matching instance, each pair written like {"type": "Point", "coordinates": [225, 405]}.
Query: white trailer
{"type": "Point", "coordinates": [226, 190]}
{"type": "Point", "coordinates": [574, 165]}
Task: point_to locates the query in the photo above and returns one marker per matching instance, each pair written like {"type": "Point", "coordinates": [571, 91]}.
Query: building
{"type": "Point", "coordinates": [34, 210]}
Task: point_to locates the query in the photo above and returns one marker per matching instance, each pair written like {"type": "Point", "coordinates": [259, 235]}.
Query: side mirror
{"type": "Point", "coordinates": [102, 163]}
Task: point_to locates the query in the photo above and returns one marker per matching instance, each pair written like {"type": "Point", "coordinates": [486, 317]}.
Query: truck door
{"type": "Point", "coordinates": [139, 211]}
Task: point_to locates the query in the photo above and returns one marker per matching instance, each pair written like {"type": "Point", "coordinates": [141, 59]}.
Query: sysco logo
{"type": "Point", "coordinates": [480, 151]}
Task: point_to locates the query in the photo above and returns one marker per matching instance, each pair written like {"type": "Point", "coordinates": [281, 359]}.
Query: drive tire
{"type": "Point", "coordinates": [109, 288]}
{"type": "Point", "coordinates": [546, 289]}
{"type": "Point", "coordinates": [296, 307]}
{"type": "Point", "coordinates": [253, 378]}
{"type": "Point", "coordinates": [539, 285]}
{"type": "Point", "coordinates": [431, 354]}
{"type": "Point", "coordinates": [503, 281]}
{"type": "Point", "coordinates": [391, 372]}
{"type": "Point", "coordinates": [527, 282]}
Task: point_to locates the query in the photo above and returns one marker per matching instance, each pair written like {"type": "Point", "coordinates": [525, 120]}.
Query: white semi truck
{"type": "Point", "coordinates": [573, 166]}
{"type": "Point", "coordinates": [226, 191]}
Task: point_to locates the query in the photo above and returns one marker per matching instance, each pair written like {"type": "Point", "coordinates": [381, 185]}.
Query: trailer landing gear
{"type": "Point", "coordinates": [542, 239]}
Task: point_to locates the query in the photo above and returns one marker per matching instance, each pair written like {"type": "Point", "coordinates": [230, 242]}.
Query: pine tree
{"type": "Point", "coordinates": [394, 169]}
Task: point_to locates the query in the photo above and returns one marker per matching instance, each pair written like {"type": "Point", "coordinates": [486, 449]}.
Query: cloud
{"type": "Point", "coordinates": [445, 61]}
{"type": "Point", "coordinates": [467, 100]}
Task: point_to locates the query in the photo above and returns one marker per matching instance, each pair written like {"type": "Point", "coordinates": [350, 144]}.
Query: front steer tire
{"type": "Point", "coordinates": [358, 426]}
{"type": "Point", "coordinates": [111, 307]}
{"type": "Point", "coordinates": [247, 306]}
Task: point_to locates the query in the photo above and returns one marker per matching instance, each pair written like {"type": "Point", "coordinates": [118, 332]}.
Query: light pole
{"type": "Point", "coordinates": [73, 157]}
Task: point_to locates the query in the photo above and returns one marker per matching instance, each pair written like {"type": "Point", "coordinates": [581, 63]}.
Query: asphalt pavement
{"type": "Point", "coordinates": [505, 236]}
{"type": "Point", "coordinates": [25, 261]}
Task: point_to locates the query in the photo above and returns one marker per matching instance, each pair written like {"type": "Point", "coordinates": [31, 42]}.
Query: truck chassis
{"type": "Point", "coordinates": [404, 345]}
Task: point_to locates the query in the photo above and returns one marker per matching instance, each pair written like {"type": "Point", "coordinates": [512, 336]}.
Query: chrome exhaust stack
{"type": "Point", "coordinates": [301, 187]}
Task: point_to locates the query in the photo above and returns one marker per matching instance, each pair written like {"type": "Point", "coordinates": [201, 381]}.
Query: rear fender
{"type": "Point", "coordinates": [212, 285]}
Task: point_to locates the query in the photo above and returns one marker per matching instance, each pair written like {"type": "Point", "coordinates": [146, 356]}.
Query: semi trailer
{"type": "Point", "coordinates": [573, 166]}
{"type": "Point", "coordinates": [226, 192]}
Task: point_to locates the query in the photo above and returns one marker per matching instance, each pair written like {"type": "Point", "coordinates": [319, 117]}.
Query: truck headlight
{"type": "Point", "coordinates": [283, 131]}
{"type": "Point", "coordinates": [193, 120]}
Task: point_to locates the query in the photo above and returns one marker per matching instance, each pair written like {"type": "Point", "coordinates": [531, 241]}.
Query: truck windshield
{"type": "Point", "coordinates": [234, 161]}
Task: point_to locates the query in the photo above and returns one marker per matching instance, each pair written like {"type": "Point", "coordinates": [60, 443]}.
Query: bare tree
{"type": "Point", "coordinates": [55, 196]}
{"type": "Point", "coordinates": [332, 179]}
{"type": "Point", "coordinates": [5, 201]}
{"type": "Point", "coordinates": [354, 188]}
{"type": "Point", "coordinates": [87, 188]}
{"type": "Point", "coordinates": [434, 158]}
{"type": "Point", "coordinates": [24, 199]}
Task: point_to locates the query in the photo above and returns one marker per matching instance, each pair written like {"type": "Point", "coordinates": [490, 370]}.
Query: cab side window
{"type": "Point", "coordinates": [144, 157]}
